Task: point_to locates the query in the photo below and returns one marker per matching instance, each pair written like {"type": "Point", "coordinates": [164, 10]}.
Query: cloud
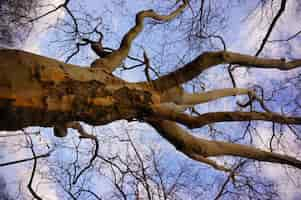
{"type": "Point", "coordinates": [13, 149]}
{"type": "Point", "coordinates": [286, 178]}
{"type": "Point", "coordinates": [252, 33]}
{"type": "Point", "coordinates": [40, 27]}
{"type": "Point", "coordinates": [255, 27]}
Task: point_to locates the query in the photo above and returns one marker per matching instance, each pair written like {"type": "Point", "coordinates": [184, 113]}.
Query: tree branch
{"type": "Point", "coordinates": [84, 135]}
{"type": "Point", "coordinates": [287, 39]}
{"type": "Point", "coordinates": [62, 5]}
{"type": "Point", "coordinates": [191, 146]}
{"type": "Point", "coordinates": [34, 167]}
{"type": "Point", "coordinates": [167, 113]}
{"type": "Point", "coordinates": [193, 99]}
{"type": "Point", "coordinates": [210, 59]}
{"type": "Point", "coordinates": [230, 176]}
{"type": "Point", "coordinates": [265, 39]}
{"type": "Point", "coordinates": [26, 159]}
{"type": "Point", "coordinates": [114, 60]}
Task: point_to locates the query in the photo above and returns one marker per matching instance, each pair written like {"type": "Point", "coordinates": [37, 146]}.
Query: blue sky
{"type": "Point", "coordinates": [242, 36]}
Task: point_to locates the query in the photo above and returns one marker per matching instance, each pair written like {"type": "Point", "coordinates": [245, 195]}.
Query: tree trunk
{"type": "Point", "coordinates": [39, 91]}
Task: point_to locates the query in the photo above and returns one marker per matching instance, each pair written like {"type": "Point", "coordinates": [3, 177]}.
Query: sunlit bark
{"type": "Point", "coordinates": [39, 91]}
{"type": "Point", "coordinates": [211, 59]}
{"type": "Point", "coordinates": [195, 147]}
{"type": "Point", "coordinates": [165, 112]}
{"type": "Point", "coordinates": [115, 59]}
{"type": "Point", "coordinates": [185, 98]}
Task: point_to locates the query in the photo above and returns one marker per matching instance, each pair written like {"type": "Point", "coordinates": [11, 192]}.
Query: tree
{"type": "Point", "coordinates": [40, 91]}
{"type": "Point", "coordinates": [14, 16]}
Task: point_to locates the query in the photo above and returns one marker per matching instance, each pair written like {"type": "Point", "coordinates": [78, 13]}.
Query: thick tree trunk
{"type": "Point", "coordinates": [39, 91]}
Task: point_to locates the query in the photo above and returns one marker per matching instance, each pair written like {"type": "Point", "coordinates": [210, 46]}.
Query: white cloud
{"type": "Point", "coordinates": [252, 34]}
{"type": "Point", "coordinates": [254, 29]}
{"type": "Point", "coordinates": [287, 179]}
{"type": "Point", "coordinates": [13, 149]}
{"type": "Point", "coordinates": [40, 27]}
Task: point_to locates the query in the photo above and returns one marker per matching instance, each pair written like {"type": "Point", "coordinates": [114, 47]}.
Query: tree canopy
{"type": "Point", "coordinates": [189, 99]}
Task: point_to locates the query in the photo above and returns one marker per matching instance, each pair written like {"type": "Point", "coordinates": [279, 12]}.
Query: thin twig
{"type": "Point", "coordinates": [26, 159]}
{"type": "Point", "coordinates": [34, 194]}
{"type": "Point", "coordinates": [279, 13]}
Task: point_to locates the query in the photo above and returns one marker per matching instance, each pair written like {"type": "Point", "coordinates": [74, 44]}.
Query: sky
{"type": "Point", "coordinates": [12, 149]}
{"type": "Point", "coordinates": [255, 29]}
{"type": "Point", "coordinates": [250, 32]}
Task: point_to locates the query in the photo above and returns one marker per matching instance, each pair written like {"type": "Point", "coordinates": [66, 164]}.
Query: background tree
{"type": "Point", "coordinates": [15, 16]}
{"type": "Point", "coordinates": [40, 91]}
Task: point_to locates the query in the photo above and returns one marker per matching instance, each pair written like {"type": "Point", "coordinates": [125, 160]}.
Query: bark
{"type": "Point", "coordinates": [199, 149]}
{"type": "Point", "coordinates": [210, 59]}
{"type": "Point", "coordinates": [115, 59]}
{"type": "Point", "coordinates": [198, 98]}
{"type": "Point", "coordinates": [178, 96]}
{"type": "Point", "coordinates": [38, 91]}
{"type": "Point", "coordinates": [165, 112]}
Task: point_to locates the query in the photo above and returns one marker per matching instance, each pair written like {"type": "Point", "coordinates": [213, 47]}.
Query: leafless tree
{"type": "Point", "coordinates": [44, 92]}
{"type": "Point", "coordinates": [15, 26]}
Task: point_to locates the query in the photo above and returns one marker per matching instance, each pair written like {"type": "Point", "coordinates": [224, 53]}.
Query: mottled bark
{"type": "Point", "coordinates": [39, 91]}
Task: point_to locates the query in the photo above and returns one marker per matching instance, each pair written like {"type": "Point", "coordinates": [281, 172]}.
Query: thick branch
{"type": "Point", "coordinates": [167, 113]}
{"type": "Point", "coordinates": [114, 60]}
{"type": "Point", "coordinates": [191, 145]}
{"type": "Point", "coordinates": [38, 91]}
{"type": "Point", "coordinates": [210, 59]}
{"type": "Point", "coordinates": [182, 100]}
{"type": "Point", "coordinates": [198, 98]}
